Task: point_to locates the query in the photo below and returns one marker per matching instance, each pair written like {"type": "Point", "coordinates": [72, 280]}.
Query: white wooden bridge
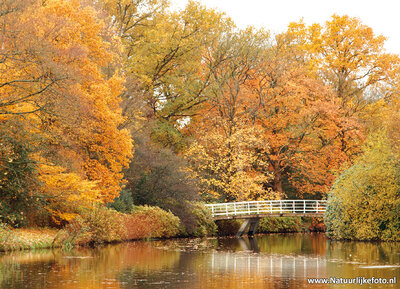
{"type": "Point", "coordinates": [252, 211]}
{"type": "Point", "coordinates": [276, 208]}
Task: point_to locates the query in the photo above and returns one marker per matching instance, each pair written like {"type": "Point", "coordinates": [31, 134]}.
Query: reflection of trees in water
{"type": "Point", "coordinates": [272, 261]}
{"type": "Point", "coordinates": [347, 259]}
{"type": "Point", "coordinates": [83, 268]}
{"type": "Point", "coordinates": [364, 252]}
{"type": "Point", "coordinates": [16, 267]}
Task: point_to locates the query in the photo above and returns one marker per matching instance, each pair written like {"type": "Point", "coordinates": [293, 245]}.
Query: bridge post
{"type": "Point", "coordinates": [250, 225]}
{"type": "Point", "coordinates": [253, 226]}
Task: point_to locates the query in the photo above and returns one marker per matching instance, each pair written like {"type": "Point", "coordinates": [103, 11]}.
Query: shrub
{"type": "Point", "coordinates": [205, 225]}
{"type": "Point", "coordinates": [151, 222]}
{"type": "Point", "coordinates": [104, 225]}
{"type": "Point", "coordinates": [93, 226]}
{"type": "Point", "coordinates": [364, 203]}
{"type": "Point", "coordinates": [280, 225]}
{"type": "Point", "coordinates": [6, 238]}
{"type": "Point", "coordinates": [314, 224]}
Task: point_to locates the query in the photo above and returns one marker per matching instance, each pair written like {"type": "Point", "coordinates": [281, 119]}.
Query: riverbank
{"type": "Point", "coordinates": [23, 239]}
{"type": "Point", "coordinates": [107, 226]}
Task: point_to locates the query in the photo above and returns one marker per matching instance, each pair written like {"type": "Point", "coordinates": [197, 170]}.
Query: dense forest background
{"type": "Point", "coordinates": [127, 102]}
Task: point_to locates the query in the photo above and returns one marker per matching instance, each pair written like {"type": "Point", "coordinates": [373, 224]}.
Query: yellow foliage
{"type": "Point", "coordinates": [364, 201]}
{"type": "Point", "coordinates": [66, 192]}
{"type": "Point", "coordinates": [349, 56]}
{"type": "Point", "coordinates": [228, 166]}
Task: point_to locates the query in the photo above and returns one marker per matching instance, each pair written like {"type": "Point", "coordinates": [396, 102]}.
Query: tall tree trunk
{"type": "Point", "coordinates": [277, 182]}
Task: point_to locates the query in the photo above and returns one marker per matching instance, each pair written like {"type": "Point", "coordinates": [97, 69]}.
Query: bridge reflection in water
{"type": "Point", "coordinates": [275, 265]}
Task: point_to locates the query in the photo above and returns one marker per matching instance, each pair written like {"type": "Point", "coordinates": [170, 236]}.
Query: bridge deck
{"type": "Point", "coordinates": [252, 216]}
{"type": "Point", "coordinates": [261, 209]}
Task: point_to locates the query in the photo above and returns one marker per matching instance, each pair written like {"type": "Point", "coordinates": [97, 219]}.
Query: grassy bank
{"type": "Point", "coordinates": [21, 239]}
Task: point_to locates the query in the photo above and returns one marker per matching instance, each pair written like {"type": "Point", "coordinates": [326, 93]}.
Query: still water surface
{"type": "Point", "coordinates": [268, 261]}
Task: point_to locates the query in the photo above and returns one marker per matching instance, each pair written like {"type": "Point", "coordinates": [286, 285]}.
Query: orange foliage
{"type": "Point", "coordinates": [301, 121]}
{"type": "Point", "coordinates": [292, 123]}
{"type": "Point", "coordinates": [151, 222]}
{"type": "Point", "coordinates": [55, 86]}
{"type": "Point", "coordinates": [105, 149]}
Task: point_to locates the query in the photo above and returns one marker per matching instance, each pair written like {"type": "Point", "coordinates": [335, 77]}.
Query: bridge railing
{"type": "Point", "coordinates": [268, 207]}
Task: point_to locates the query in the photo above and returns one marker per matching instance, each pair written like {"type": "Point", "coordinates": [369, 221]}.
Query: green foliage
{"type": "Point", "coordinates": [168, 136]}
{"type": "Point", "coordinates": [280, 225]}
{"type": "Point", "coordinates": [205, 225]}
{"type": "Point", "coordinates": [157, 177]}
{"type": "Point", "coordinates": [266, 225]}
{"type": "Point", "coordinates": [364, 203]}
{"type": "Point", "coordinates": [123, 203]}
{"type": "Point", "coordinates": [17, 174]}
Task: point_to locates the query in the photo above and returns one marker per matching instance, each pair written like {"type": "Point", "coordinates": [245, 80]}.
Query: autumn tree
{"type": "Point", "coordinates": [225, 157]}
{"type": "Point", "coordinates": [300, 119]}
{"type": "Point", "coordinates": [347, 55]}
{"type": "Point", "coordinates": [228, 167]}
{"type": "Point", "coordinates": [261, 90]}
{"type": "Point", "coordinates": [52, 83]}
{"type": "Point", "coordinates": [163, 55]}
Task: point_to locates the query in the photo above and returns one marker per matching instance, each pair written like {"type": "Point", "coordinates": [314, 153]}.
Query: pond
{"type": "Point", "coordinates": [266, 261]}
